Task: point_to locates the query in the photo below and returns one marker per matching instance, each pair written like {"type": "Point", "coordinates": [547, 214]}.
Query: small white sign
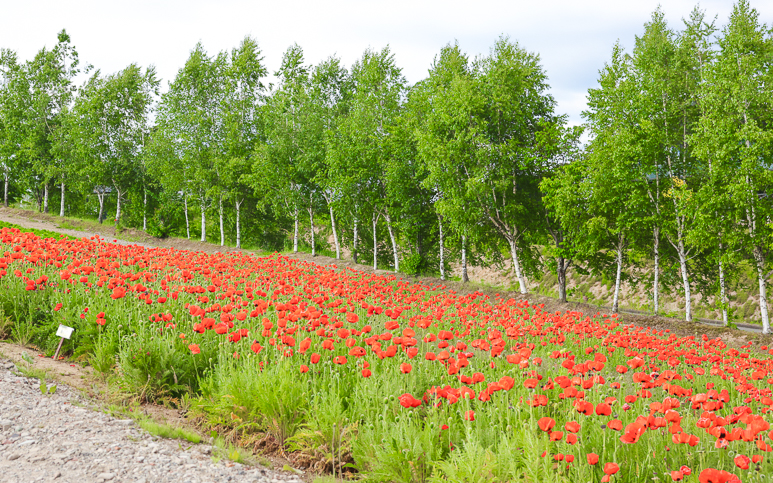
{"type": "Point", "coordinates": [64, 331]}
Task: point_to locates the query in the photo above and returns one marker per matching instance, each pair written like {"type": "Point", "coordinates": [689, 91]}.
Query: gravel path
{"type": "Point", "coordinates": [56, 438]}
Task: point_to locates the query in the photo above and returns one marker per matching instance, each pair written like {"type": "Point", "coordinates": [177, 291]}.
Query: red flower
{"type": "Point", "coordinates": [611, 468]}
{"type": "Point", "coordinates": [408, 401]}
{"type": "Point", "coordinates": [742, 461]}
{"type": "Point", "coordinates": [572, 426]}
{"type": "Point", "coordinates": [405, 368]}
{"type": "Point", "coordinates": [256, 347]}
{"type": "Point", "coordinates": [469, 415]}
{"type": "Point", "coordinates": [711, 475]}
{"type": "Point", "coordinates": [603, 409]}
{"type": "Point", "coordinates": [194, 348]}
{"type": "Point", "coordinates": [593, 458]}
{"type": "Point", "coordinates": [546, 423]}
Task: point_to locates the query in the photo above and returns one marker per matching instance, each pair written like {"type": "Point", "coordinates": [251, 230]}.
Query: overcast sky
{"type": "Point", "coordinates": [573, 37]}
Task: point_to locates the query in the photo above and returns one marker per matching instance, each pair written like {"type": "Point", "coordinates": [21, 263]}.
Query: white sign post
{"type": "Point", "coordinates": [65, 333]}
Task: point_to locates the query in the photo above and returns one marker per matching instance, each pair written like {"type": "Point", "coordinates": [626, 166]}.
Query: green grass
{"type": "Point", "coordinates": [326, 479]}
{"type": "Point", "coordinates": [222, 449]}
{"type": "Point", "coordinates": [169, 432]}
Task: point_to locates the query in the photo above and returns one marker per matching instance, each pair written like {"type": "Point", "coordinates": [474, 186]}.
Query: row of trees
{"type": "Point", "coordinates": [670, 190]}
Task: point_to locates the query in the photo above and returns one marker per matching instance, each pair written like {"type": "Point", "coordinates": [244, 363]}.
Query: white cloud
{"type": "Point", "coordinates": [573, 38]}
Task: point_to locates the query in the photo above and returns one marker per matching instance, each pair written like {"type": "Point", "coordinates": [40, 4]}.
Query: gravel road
{"type": "Point", "coordinates": [61, 438]}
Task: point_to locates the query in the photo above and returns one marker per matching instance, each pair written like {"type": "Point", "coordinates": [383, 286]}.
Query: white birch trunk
{"type": "Point", "coordinates": [723, 290]}
{"type": "Point", "coordinates": [45, 198]}
{"type": "Point", "coordinates": [375, 243]}
{"type": "Point", "coordinates": [685, 280]}
{"type": "Point", "coordinates": [203, 220]}
{"type": "Point", "coordinates": [101, 198]}
{"type": "Point", "coordinates": [759, 258]}
{"type": "Point", "coordinates": [394, 242]}
{"type": "Point", "coordinates": [313, 240]}
{"type": "Point", "coordinates": [61, 202]}
{"type": "Point", "coordinates": [118, 208]}
{"type": "Point", "coordinates": [465, 278]}
{"type": "Point", "coordinates": [238, 226]}
{"type": "Point", "coordinates": [144, 210]}
{"type": "Point", "coordinates": [187, 221]}
{"type": "Point", "coordinates": [5, 193]}
{"type": "Point", "coordinates": [618, 275]}
{"type": "Point", "coordinates": [442, 259]}
{"type": "Point", "coordinates": [517, 267]}
{"type": "Point", "coordinates": [222, 228]}
{"type": "Point", "coordinates": [561, 267]}
{"type": "Point", "coordinates": [335, 233]}
{"type": "Point", "coordinates": [354, 240]}
{"type": "Point", "coordinates": [656, 278]}
{"type": "Point", "coordinates": [295, 236]}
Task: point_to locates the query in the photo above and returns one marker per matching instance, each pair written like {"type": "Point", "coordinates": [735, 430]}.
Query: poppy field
{"type": "Point", "coordinates": [388, 380]}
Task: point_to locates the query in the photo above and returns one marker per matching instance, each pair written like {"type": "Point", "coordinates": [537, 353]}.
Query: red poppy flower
{"type": "Point", "coordinates": [593, 458]}
{"type": "Point", "coordinates": [572, 426]}
{"type": "Point", "coordinates": [712, 475]}
{"type": "Point", "coordinates": [611, 468]}
{"type": "Point", "coordinates": [546, 423]}
{"type": "Point", "coordinates": [408, 401]}
{"type": "Point", "coordinates": [603, 409]}
{"type": "Point", "coordinates": [194, 348]}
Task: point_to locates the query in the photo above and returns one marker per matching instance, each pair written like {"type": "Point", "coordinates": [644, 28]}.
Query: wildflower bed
{"type": "Point", "coordinates": [395, 381]}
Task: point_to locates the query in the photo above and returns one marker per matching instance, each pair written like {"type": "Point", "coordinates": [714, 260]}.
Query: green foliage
{"type": "Point", "coordinates": [169, 432]}
{"type": "Point", "coordinates": [45, 390]}
{"type": "Point", "coordinates": [247, 397]}
{"type": "Point", "coordinates": [415, 264]}
{"type": "Point", "coordinates": [156, 365]}
{"type": "Point", "coordinates": [103, 357]}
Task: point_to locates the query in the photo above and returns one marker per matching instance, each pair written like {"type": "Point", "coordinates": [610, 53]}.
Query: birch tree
{"type": "Point", "coordinates": [111, 119]}
{"type": "Point", "coordinates": [449, 139]}
{"type": "Point", "coordinates": [244, 93]}
{"type": "Point", "coordinates": [329, 90]}
{"type": "Point", "coordinates": [505, 176]}
{"type": "Point", "coordinates": [736, 133]}
{"type": "Point", "coordinates": [278, 169]}
{"type": "Point", "coordinates": [47, 86]}
{"type": "Point", "coordinates": [11, 116]}
{"type": "Point", "coordinates": [359, 160]}
{"type": "Point", "coordinates": [668, 72]}
{"type": "Point", "coordinates": [189, 117]}
{"type": "Point", "coordinates": [614, 191]}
